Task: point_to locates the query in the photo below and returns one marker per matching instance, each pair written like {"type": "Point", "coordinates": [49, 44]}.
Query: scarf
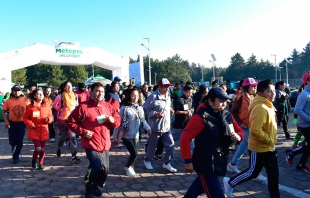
{"type": "Point", "coordinates": [222, 117]}
{"type": "Point", "coordinates": [69, 101]}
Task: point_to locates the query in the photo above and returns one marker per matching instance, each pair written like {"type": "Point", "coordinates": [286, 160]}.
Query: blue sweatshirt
{"type": "Point", "coordinates": [302, 108]}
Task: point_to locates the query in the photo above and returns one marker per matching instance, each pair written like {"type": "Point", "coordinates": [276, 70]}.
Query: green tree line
{"type": "Point", "coordinates": [174, 68]}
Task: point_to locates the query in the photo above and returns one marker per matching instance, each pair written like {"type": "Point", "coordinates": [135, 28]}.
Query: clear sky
{"type": "Point", "coordinates": [194, 29]}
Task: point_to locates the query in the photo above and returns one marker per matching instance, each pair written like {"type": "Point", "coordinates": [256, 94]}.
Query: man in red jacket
{"type": "Point", "coordinates": [92, 120]}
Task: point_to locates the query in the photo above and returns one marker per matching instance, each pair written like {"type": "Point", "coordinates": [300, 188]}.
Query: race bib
{"type": "Point", "coordinates": [185, 107]}
{"type": "Point", "coordinates": [36, 114]}
{"type": "Point", "coordinates": [101, 119]}
{"type": "Point", "coordinates": [231, 127]}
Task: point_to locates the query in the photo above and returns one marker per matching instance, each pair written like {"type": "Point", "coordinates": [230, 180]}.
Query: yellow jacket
{"type": "Point", "coordinates": [263, 125]}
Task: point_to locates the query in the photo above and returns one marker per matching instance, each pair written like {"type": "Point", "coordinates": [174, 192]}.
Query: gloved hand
{"type": "Point", "coordinates": [295, 121]}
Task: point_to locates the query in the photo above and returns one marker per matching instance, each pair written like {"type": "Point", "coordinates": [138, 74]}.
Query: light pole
{"type": "Point", "coordinates": [287, 72]}
{"type": "Point", "coordinates": [213, 59]}
{"type": "Point", "coordinates": [202, 74]}
{"type": "Point", "coordinates": [275, 64]}
{"type": "Point", "coordinates": [155, 78]}
{"type": "Point", "coordinates": [280, 72]}
{"type": "Point", "coordinates": [148, 48]}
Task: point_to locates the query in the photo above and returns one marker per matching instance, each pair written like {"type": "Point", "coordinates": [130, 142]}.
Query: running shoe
{"type": "Point", "coordinates": [303, 168]}
{"type": "Point", "coordinates": [233, 169]}
{"type": "Point", "coordinates": [289, 157]}
{"type": "Point", "coordinates": [227, 187]}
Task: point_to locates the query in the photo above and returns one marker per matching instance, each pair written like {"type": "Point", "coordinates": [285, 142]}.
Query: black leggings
{"type": "Point", "coordinates": [131, 145]}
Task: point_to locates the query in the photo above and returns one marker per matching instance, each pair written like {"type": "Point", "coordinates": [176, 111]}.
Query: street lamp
{"type": "Point", "coordinates": [287, 72]}
{"type": "Point", "coordinates": [280, 72]}
{"type": "Point", "coordinates": [155, 78]}
{"type": "Point", "coordinates": [275, 64]}
{"type": "Point", "coordinates": [213, 59]}
{"type": "Point", "coordinates": [148, 48]}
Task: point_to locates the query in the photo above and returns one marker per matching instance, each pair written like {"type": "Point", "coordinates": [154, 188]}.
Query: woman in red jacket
{"type": "Point", "coordinates": [37, 117]}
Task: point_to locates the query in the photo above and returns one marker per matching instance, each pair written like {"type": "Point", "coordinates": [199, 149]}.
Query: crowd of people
{"type": "Point", "coordinates": [206, 121]}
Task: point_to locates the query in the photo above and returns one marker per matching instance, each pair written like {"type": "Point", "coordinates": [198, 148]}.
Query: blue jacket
{"type": "Point", "coordinates": [302, 108]}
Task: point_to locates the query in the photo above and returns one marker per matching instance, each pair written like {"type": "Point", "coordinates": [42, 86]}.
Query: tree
{"type": "Point", "coordinates": [236, 68]}
{"type": "Point", "coordinates": [75, 74]}
{"type": "Point", "coordinates": [98, 70]}
{"type": "Point", "coordinates": [19, 76]}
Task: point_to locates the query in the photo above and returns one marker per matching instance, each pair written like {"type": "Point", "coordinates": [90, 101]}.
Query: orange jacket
{"type": "Point", "coordinates": [36, 116]}
{"type": "Point", "coordinates": [240, 108]}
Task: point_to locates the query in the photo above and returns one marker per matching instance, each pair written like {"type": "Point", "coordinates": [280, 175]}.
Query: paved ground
{"type": "Point", "coordinates": [61, 179]}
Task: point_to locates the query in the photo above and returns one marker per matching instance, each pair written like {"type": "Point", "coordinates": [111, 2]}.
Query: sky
{"type": "Point", "coordinates": [194, 29]}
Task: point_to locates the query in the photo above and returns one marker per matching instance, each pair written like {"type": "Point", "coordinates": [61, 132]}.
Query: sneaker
{"type": "Point", "coordinates": [33, 163]}
{"type": "Point", "coordinates": [52, 140]}
{"type": "Point", "coordinates": [129, 172]}
{"type": "Point", "coordinates": [16, 161]}
{"type": "Point", "coordinates": [261, 179]}
{"type": "Point", "coordinates": [227, 188]}
{"type": "Point", "coordinates": [289, 138]}
{"type": "Point", "coordinates": [294, 147]}
{"type": "Point", "coordinates": [41, 167]}
{"type": "Point", "coordinates": [89, 190]}
{"type": "Point", "coordinates": [301, 144]}
{"type": "Point", "coordinates": [119, 145]}
{"type": "Point", "coordinates": [158, 157]}
{"type": "Point", "coordinates": [58, 152]}
{"type": "Point", "coordinates": [289, 157]}
{"type": "Point", "coordinates": [75, 160]}
{"type": "Point", "coordinates": [303, 168]}
{"type": "Point", "coordinates": [97, 191]}
{"type": "Point", "coordinates": [169, 168]}
{"type": "Point", "coordinates": [148, 165]}
{"type": "Point", "coordinates": [232, 169]}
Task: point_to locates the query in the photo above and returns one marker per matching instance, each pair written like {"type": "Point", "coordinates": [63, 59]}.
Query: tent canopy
{"type": "Point", "coordinates": [65, 53]}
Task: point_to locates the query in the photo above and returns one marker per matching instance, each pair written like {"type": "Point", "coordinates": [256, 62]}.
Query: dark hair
{"type": "Point", "coordinates": [127, 100]}
{"type": "Point", "coordinates": [97, 84]}
{"type": "Point", "coordinates": [176, 84]}
{"type": "Point", "coordinates": [187, 87]}
{"type": "Point", "coordinates": [155, 87]}
{"type": "Point", "coordinates": [240, 83]}
{"type": "Point", "coordinates": [113, 84]}
{"type": "Point", "coordinates": [62, 86]}
{"type": "Point", "coordinates": [263, 85]}
{"type": "Point", "coordinates": [214, 82]}
{"type": "Point", "coordinates": [32, 94]}
{"type": "Point", "coordinates": [198, 94]}
{"type": "Point", "coordinates": [277, 85]}
{"type": "Point", "coordinates": [246, 88]}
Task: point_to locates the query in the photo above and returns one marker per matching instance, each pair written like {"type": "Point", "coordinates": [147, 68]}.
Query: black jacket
{"type": "Point", "coordinates": [211, 151]}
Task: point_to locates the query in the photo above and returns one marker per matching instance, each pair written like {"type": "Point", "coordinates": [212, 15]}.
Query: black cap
{"type": "Point", "coordinates": [217, 92]}
{"type": "Point", "coordinates": [16, 87]}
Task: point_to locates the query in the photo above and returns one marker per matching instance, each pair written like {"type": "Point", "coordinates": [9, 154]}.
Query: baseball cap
{"type": "Point", "coordinates": [217, 92]}
{"type": "Point", "coordinates": [16, 87]}
{"type": "Point", "coordinates": [164, 82]}
{"type": "Point", "coordinates": [305, 77]}
{"type": "Point", "coordinates": [249, 81]}
{"type": "Point", "coordinates": [116, 78]}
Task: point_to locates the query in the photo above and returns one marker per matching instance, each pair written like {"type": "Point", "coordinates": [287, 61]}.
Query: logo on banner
{"type": "Point", "coordinates": [68, 49]}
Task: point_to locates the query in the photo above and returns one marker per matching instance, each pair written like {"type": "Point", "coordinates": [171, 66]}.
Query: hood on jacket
{"type": "Point", "coordinates": [260, 100]}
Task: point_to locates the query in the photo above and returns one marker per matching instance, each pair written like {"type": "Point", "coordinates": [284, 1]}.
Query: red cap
{"type": "Point", "coordinates": [305, 77]}
{"type": "Point", "coordinates": [164, 82]}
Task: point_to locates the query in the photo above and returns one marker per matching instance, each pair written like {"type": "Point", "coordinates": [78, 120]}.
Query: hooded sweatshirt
{"type": "Point", "coordinates": [302, 108]}
{"type": "Point", "coordinates": [263, 125]}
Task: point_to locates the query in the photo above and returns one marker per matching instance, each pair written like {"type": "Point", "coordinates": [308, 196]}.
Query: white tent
{"type": "Point", "coordinates": [63, 53]}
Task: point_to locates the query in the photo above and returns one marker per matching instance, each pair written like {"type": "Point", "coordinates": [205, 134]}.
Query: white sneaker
{"type": "Point", "coordinates": [233, 169]}
{"type": "Point", "coordinates": [132, 170]}
{"type": "Point", "coordinates": [227, 188]}
{"type": "Point", "coordinates": [119, 145]}
{"type": "Point", "coordinates": [169, 168]}
{"type": "Point", "coordinates": [148, 165]}
{"type": "Point", "coordinates": [261, 179]}
{"type": "Point", "coordinates": [129, 172]}
{"type": "Point", "coordinates": [52, 140]}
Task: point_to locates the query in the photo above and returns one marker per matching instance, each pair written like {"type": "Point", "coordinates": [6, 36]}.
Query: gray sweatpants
{"type": "Point", "coordinates": [168, 142]}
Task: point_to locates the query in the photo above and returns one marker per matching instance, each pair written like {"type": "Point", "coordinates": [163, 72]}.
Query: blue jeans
{"type": "Point", "coordinates": [205, 184]}
{"type": "Point", "coordinates": [243, 147]}
{"type": "Point", "coordinates": [16, 137]}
